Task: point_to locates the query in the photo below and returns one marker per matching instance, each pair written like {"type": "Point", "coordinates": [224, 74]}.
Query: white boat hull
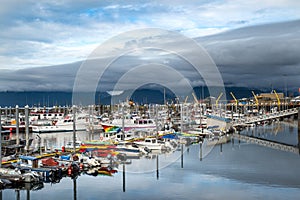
{"type": "Point", "coordinates": [50, 129]}
{"type": "Point", "coordinates": [150, 145]}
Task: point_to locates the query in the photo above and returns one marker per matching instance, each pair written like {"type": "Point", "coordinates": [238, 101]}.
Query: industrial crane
{"type": "Point", "coordinates": [256, 100]}
{"type": "Point", "coordinates": [185, 100]}
{"type": "Point", "coordinates": [219, 97]}
{"type": "Point", "coordinates": [236, 101]}
{"type": "Point", "coordinates": [278, 100]}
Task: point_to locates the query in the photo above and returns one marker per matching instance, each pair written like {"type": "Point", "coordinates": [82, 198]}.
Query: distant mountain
{"type": "Point", "coordinates": [141, 96]}
{"type": "Point", "coordinates": [35, 98]}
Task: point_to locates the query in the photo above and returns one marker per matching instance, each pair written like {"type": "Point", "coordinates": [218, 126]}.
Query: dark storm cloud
{"type": "Point", "coordinates": [51, 78]}
{"type": "Point", "coordinates": [258, 56]}
{"type": "Point", "coordinates": [261, 56]}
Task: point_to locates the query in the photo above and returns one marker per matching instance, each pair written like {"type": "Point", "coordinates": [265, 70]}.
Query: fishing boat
{"type": "Point", "coordinates": [151, 143]}
{"type": "Point", "coordinates": [130, 149]}
{"type": "Point", "coordinates": [115, 135]}
{"type": "Point", "coordinates": [39, 115]}
{"type": "Point", "coordinates": [47, 169]}
{"type": "Point", "coordinates": [70, 145]}
{"type": "Point", "coordinates": [200, 121]}
{"type": "Point", "coordinates": [134, 123]}
{"type": "Point", "coordinates": [17, 176]}
{"type": "Point", "coordinates": [63, 125]}
{"type": "Point", "coordinates": [170, 140]}
{"type": "Point", "coordinates": [104, 146]}
{"type": "Point", "coordinates": [88, 161]}
{"type": "Point", "coordinates": [103, 171]}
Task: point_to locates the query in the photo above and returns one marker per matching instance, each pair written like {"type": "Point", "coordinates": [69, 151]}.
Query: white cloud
{"type": "Point", "coordinates": [57, 32]}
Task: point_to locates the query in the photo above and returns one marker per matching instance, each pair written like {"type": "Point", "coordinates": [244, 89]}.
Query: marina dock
{"type": "Point", "coordinates": [266, 117]}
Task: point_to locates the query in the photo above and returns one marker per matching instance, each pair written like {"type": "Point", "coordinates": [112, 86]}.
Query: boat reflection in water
{"type": "Point", "coordinates": [235, 170]}
{"type": "Point", "coordinates": [52, 141]}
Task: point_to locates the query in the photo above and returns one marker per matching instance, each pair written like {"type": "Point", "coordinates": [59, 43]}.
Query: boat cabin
{"type": "Point", "coordinates": [28, 161]}
{"type": "Point", "coordinates": [151, 140]}
{"type": "Point", "coordinates": [143, 121]}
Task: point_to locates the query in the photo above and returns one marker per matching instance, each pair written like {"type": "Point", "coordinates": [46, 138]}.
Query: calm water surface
{"type": "Point", "coordinates": [235, 170]}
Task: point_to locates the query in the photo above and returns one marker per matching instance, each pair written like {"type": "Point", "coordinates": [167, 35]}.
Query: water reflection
{"type": "Point", "coordinates": [284, 132]}
{"type": "Point", "coordinates": [157, 168]}
{"type": "Point", "coordinates": [233, 170]}
{"type": "Point", "coordinates": [124, 179]}
{"type": "Point", "coordinates": [74, 188]}
{"type": "Point", "coordinates": [200, 150]}
{"type": "Point", "coordinates": [57, 140]}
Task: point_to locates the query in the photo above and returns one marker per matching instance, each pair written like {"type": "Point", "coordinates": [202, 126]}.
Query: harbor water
{"type": "Point", "coordinates": [235, 170]}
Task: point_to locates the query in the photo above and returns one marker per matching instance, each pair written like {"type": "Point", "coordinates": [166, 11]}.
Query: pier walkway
{"type": "Point", "coordinates": [267, 143]}
{"type": "Point", "coordinates": [266, 117]}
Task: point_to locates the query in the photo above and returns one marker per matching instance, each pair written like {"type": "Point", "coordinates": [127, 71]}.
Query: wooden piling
{"type": "Point", "coordinates": [123, 122]}
{"type": "Point", "coordinates": [6, 114]}
{"type": "Point", "coordinates": [124, 185]}
{"type": "Point", "coordinates": [200, 150]}
{"type": "Point", "coordinates": [17, 125]}
{"type": "Point", "coordinates": [0, 140]}
{"type": "Point", "coordinates": [74, 128]}
{"type": "Point", "coordinates": [181, 155]}
{"type": "Point", "coordinates": [156, 120]}
{"type": "Point", "coordinates": [157, 170]}
{"type": "Point", "coordinates": [27, 127]}
{"type": "Point", "coordinates": [299, 129]}
{"type": "Point", "coordinates": [75, 188]}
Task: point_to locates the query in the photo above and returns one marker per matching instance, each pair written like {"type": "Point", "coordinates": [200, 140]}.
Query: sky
{"type": "Point", "coordinates": [253, 43]}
